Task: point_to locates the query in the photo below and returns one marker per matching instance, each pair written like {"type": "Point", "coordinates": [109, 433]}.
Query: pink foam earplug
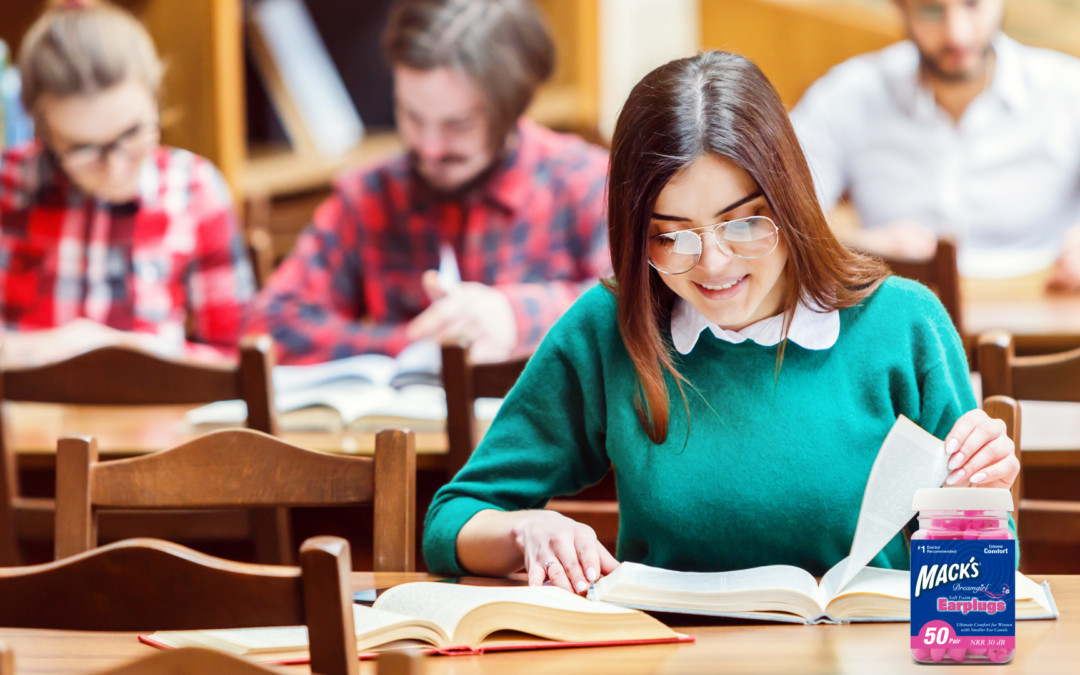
{"type": "Point", "coordinates": [999, 655]}
{"type": "Point", "coordinates": [920, 654]}
{"type": "Point", "coordinates": [957, 653]}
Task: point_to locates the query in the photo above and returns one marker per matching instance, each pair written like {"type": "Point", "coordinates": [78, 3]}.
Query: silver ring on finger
{"type": "Point", "coordinates": [549, 563]}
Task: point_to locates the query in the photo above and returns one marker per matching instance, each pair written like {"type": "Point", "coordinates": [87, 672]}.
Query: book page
{"type": "Point", "coordinates": [749, 589]}
{"type": "Point", "coordinates": [883, 586]}
{"type": "Point", "coordinates": [874, 580]}
{"type": "Point", "coordinates": [419, 363]}
{"type": "Point", "coordinates": [909, 459]}
{"type": "Point", "coordinates": [373, 368]}
{"type": "Point", "coordinates": [351, 399]}
{"type": "Point", "coordinates": [416, 401]}
{"type": "Point", "coordinates": [373, 627]}
{"type": "Point", "coordinates": [468, 613]}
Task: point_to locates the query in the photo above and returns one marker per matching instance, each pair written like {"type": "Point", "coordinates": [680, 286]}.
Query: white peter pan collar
{"type": "Point", "coordinates": [810, 328]}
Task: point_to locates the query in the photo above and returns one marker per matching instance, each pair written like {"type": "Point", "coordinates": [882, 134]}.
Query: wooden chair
{"type": "Point", "coordinates": [1049, 377]}
{"type": "Point", "coordinates": [1007, 410]}
{"type": "Point", "coordinates": [149, 585]}
{"type": "Point", "coordinates": [260, 246]}
{"type": "Point", "coordinates": [939, 273]}
{"type": "Point", "coordinates": [115, 376]}
{"type": "Point", "coordinates": [241, 468]}
{"type": "Point", "coordinates": [464, 382]}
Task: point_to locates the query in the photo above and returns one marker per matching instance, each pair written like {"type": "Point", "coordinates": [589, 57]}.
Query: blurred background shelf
{"type": "Point", "coordinates": [215, 105]}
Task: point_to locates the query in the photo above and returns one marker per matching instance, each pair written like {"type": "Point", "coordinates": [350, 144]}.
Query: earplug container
{"type": "Point", "coordinates": [963, 577]}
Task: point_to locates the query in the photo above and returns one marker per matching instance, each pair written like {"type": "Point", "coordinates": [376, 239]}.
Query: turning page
{"type": "Point", "coordinates": [909, 459]}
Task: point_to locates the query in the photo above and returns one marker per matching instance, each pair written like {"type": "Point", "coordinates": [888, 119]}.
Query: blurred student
{"type": "Point", "coordinates": [958, 131]}
{"type": "Point", "coordinates": [739, 373]}
{"type": "Point", "coordinates": [520, 207]}
{"type": "Point", "coordinates": [107, 237]}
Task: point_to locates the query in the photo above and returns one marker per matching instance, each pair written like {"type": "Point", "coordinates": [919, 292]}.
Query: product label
{"type": "Point", "coordinates": [962, 594]}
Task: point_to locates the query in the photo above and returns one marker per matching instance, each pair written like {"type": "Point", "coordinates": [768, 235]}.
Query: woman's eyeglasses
{"type": "Point", "coordinates": [130, 143]}
{"type": "Point", "coordinates": [677, 252]}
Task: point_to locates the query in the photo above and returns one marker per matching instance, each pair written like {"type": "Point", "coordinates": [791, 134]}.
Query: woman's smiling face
{"type": "Point", "coordinates": [730, 291]}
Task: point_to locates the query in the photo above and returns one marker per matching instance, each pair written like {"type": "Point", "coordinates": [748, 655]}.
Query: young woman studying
{"type": "Point", "coordinates": [106, 237]}
{"type": "Point", "coordinates": [739, 372]}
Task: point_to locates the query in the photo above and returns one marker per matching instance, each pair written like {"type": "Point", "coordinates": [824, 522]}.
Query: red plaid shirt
{"type": "Point", "coordinates": [535, 230]}
{"type": "Point", "coordinates": [175, 255]}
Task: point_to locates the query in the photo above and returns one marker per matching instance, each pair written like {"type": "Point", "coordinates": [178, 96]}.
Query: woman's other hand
{"type": "Point", "coordinates": [980, 453]}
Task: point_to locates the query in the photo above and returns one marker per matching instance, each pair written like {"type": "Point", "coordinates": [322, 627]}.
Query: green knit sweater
{"type": "Point", "coordinates": [772, 468]}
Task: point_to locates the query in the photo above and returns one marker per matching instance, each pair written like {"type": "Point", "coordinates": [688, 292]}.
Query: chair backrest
{"type": "Point", "coordinates": [464, 382]}
{"type": "Point", "coordinates": [939, 273]}
{"type": "Point", "coordinates": [1007, 410]}
{"type": "Point", "coordinates": [129, 377]}
{"type": "Point", "coordinates": [124, 376]}
{"type": "Point", "coordinates": [1046, 377]}
{"type": "Point", "coordinates": [149, 584]}
{"type": "Point", "coordinates": [240, 468]}
{"type": "Point", "coordinates": [260, 247]}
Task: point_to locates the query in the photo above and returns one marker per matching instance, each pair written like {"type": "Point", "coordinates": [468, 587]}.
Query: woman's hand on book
{"type": "Point", "coordinates": [561, 550]}
{"type": "Point", "coordinates": [980, 452]}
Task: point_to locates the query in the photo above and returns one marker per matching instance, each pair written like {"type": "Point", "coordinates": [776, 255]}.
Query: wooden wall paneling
{"type": "Point", "coordinates": [795, 43]}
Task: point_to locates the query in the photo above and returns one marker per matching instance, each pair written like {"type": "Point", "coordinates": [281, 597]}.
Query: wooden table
{"type": "Point", "coordinates": [722, 646]}
{"type": "Point", "coordinates": [125, 431]}
{"type": "Point", "coordinates": [1040, 320]}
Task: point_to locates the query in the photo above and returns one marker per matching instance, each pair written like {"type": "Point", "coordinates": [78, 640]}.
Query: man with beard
{"type": "Point", "coordinates": [958, 131]}
{"type": "Point", "coordinates": [514, 209]}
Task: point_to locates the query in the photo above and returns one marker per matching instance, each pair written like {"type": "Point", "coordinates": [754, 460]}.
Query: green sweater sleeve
{"type": "Point", "coordinates": [548, 438]}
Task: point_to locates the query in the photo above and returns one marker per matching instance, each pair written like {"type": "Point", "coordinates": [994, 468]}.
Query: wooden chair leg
{"type": "Point", "coordinates": [273, 536]}
{"type": "Point", "coordinates": [9, 543]}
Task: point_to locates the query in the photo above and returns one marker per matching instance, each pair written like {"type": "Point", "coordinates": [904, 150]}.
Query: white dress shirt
{"type": "Point", "coordinates": [810, 328]}
{"type": "Point", "coordinates": [1004, 181]}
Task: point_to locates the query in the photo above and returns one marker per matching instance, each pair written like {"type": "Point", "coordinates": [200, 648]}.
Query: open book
{"type": "Point", "coordinates": [370, 390]}
{"type": "Point", "coordinates": [909, 459]}
{"type": "Point", "coordinates": [451, 619]}
{"type": "Point", "coordinates": [786, 593]}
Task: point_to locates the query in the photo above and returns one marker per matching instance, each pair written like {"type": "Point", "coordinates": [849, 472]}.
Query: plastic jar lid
{"type": "Point", "coordinates": [962, 499]}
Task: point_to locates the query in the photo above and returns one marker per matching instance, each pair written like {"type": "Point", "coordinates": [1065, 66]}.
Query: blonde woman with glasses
{"type": "Point", "coordinates": [107, 237]}
{"type": "Point", "coordinates": [739, 372]}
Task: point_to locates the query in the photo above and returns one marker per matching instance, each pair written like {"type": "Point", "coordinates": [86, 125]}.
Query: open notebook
{"type": "Point", "coordinates": [450, 619]}
{"type": "Point", "coordinates": [909, 459]}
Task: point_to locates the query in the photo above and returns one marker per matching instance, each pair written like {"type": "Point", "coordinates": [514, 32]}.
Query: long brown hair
{"type": "Point", "coordinates": [720, 104]}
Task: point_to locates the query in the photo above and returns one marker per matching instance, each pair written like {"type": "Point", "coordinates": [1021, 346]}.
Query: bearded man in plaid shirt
{"type": "Point", "coordinates": [520, 206]}
{"type": "Point", "coordinates": [107, 238]}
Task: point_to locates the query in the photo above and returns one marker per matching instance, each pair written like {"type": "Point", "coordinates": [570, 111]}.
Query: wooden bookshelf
{"type": "Point", "coordinates": [204, 101]}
